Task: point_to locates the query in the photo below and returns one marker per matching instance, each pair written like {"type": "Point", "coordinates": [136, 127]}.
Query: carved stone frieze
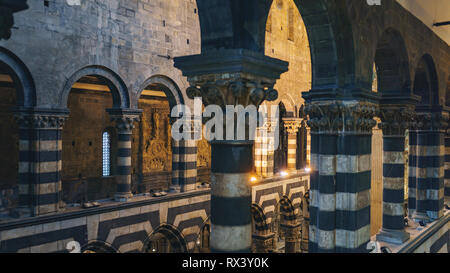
{"type": "Point", "coordinates": [40, 120]}
{"type": "Point", "coordinates": [431, 121]}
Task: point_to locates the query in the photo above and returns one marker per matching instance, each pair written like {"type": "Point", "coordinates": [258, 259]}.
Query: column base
{"type": "Point", "coordinates": [421, 216]}
{"type": "Point", "coordinates": [393, 236]}
{"type": "Point", "coordinates": [123, 196]}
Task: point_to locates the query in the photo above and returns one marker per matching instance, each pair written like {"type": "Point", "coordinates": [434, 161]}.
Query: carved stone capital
{"type": "Point", "coordinates": [124, 124]}
{"type": "Point", "coordinates": [231, 89]}
{"type": "Point", "coordinates": [292, 125]}
{"type": "Point", "coordinates": [396, 119]}
{"type": "Point", "coordinates": [431, 121]}
{"type": "Point", "coordinates": [41, 119]}
{"type": "Point", "coordinates": [341, 116]}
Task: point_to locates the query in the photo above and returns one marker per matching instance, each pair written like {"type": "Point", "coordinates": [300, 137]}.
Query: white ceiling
{"type": "Point", "coordinates": [429, 12]}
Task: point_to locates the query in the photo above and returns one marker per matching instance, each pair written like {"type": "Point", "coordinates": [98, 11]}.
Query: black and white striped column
{"type": "Point", "coordinates": [292, 125]}
{"type": "Point", "coordinates": [40, 145]}
{"type": "Point", "coordinates": [422, 178]}
{"type": "Point", "coordinates": [124, 120]}
{"type": "Point", "coordinates": [412, 172]}
{"type": "Point", "coordinates": [231, 223]}
{"type": "Point", "coordinates": [353, 182]}
{"type": "Point", "coordinates": [435, 171]}
{"type": "Point", "coordinates": [184, 165]}
{"type": "Point", "coordinates": [322, 226]}
{"type": "Point", "coordinates": [393, 229]}
{"type": "Point", "coordinates": [396, 119]}
{"type": "Point", "coordinates": [341, 175]}
{"type": "Point", "coordinates": [447, 169]}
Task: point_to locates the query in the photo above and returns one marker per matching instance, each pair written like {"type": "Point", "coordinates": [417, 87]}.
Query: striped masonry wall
{"type": "Point", "coordinates": [412, 173]}
{"type": "Point", "coordinates": [184, 165]}
{"type": "Point", "coordinates": [422, 182]}
{"type": "Point", "coordinates": [322, 227]}
{"type": "Point", "coordinates": [435, 171]}
{"type": "Point", "coordinates": [352, 201]}
{"type": "Point", "coordinates": [447, 170]}
{"type": "Point", "coordinates": [123, 176]}
{"type": "Point", "coordinates": [231, 199]}
{"type": "Point", "coordinates": [393, 229]}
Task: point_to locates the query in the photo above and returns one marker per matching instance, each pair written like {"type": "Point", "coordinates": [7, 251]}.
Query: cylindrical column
{"type": "Point", "coordinates": [447, 170]}
{"type": "Point", "coordinates": [231, 165]}
{"type": "Point", "coordinates": [123, 177]}
{"type": "Point", "coordinates": [412, 173]}
{"type": "Point", "coordinates": [292, 125]}
{"type": "Point", "coordinates": [393, 230]}
{"type": "Point", "coordinates": [422, 177]}
{"type": "Point", "coordinates": [435, 171]}
{"type": "Point", "coordinates": [124, 120]}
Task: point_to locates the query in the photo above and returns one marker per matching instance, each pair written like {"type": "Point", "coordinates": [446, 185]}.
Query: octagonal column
{"type": "Point", "coordinates": [224, 79]}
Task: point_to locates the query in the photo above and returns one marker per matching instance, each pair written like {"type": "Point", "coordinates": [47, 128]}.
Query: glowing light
{"type": "Point", "coordinates": [284, 173]}
{"type": "Point", "coordinates": [253, 179]}
{"type": "Point", "coordinates": [308, 170]}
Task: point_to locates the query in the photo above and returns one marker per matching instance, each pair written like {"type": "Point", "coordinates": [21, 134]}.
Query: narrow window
{"type": "Point", "coordinates": [106, 154]}
{"type": "Point", "coordinates": [269, 23]}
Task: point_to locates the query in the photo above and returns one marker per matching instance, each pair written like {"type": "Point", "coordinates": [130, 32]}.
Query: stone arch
{"type": "Point", "coordinates": [167, 85]}
{"type": "Point", "coordinates": [392, 63]}
{"type": "Point", "coordinates": [98, 247]}
{"type": "Point", "coordinates": [242, 24]}
{"type": "Point", "coordinates": [426, 82]}
{"type": "Point", "coordinates": [118, 88]}
{"type": "Point", "coordinates": [21, 76]}
{"type": "Point", "coordinates": [172, 234]}
{"type": "Point", "coordinates": [260, 220]}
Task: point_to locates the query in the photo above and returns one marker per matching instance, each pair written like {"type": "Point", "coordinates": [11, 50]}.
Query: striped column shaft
{"type": "Point", "coordinates": [264, 152]}
{"type": "Point", "coordinates": [393, 230]}
{"type": "Point", "coordinates": [308, 146]}
{"type": "Point", "coordinates": [123, 177]}
{"type": "Point", "coordinates": [353, 181]}
{"type": "Point", "coordinates": [231, 166]}
{"type": "Point", "coordinates": [422, 178]}
{"type": "Point", "coordinates": [412, 173]}
{"type": "Point", "coordinates": [322, 227]}
{"type": "Point", "coordinates": [447, 170]}
{"type": "Point", "coordinates": [25, 172]}
{"type": "Point", "coordinates": [40, 163]}
{"type": "Point", "coordinates": [435, 171]}
{"type": "Point", "coordinates": [292, 151]}
{"type": "Point", "coordinates": [185, 164]}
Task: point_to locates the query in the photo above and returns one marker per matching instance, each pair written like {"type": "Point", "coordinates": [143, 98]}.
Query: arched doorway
{"type": "Point", "coordinates": [165, 239]}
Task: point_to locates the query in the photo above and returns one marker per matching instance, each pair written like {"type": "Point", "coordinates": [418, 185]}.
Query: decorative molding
{"type": "Point", "coordinates": [353, 117]}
